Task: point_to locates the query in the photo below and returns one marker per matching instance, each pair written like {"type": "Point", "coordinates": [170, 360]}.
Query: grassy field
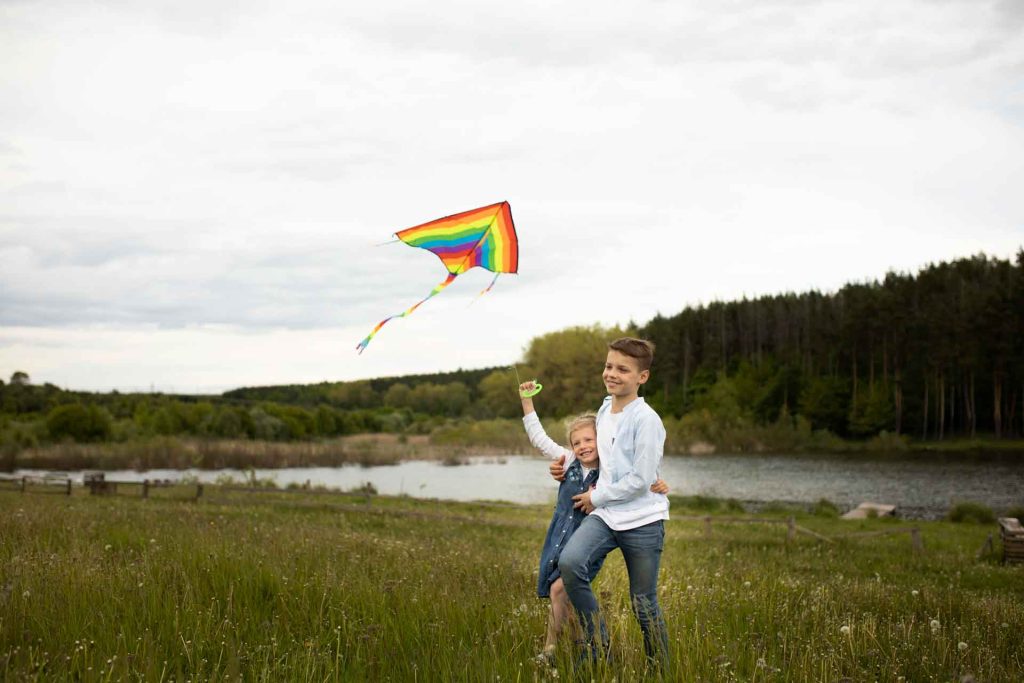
{"type": "Point", "coordinates": [295, 586]}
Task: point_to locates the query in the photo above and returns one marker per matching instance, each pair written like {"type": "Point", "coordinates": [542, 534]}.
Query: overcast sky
{"type": "Point", "coordinates": [192, 194]}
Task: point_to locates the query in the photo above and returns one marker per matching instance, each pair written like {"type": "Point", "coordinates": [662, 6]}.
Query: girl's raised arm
{"type": "Point", "coordinates": [539, 439]}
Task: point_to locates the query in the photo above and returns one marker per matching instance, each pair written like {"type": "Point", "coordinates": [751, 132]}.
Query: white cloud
{"type": "Point", "coordinates": [204, 185]}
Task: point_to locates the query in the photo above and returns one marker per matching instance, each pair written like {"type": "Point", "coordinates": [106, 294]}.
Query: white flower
{"type": "Point", "coordinates": [107, 547]}
{"type": "Point", "coordinates": [746, 584]}
{"type": "Point", "coordinates": [935, 625]}
{"type": "Point", "coordinates": [845, 630]}
{"type": "Point", "coordinates": [962, 646]}
{"type": "Point", "coordinates": [26, 594]}
{"type": "Point", "coordinates": [915, 593]}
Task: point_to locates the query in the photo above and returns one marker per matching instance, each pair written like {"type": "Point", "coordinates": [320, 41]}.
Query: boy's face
{"type": "Point", "coordinates": [584, 446]}
{"type": "Point", "coordinates": [622, 374]}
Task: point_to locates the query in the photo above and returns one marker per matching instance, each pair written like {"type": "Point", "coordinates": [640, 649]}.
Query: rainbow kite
{"type": "Point", "coordinates": [482, 237]}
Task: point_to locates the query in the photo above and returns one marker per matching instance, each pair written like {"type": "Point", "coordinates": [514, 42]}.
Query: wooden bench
{"type": "Point", "coordinates": [1013, 539]}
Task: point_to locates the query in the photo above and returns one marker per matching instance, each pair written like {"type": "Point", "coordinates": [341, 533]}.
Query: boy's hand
{"type": "Point", "coordinates": [659, 486]}
{"type": "Point", "coordinates": [557, 469]}
{"type": "Point", "coordinates": [582, 502]}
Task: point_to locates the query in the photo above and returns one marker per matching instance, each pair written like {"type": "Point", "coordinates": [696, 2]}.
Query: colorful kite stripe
{"type": "Point", "coordinates": [484, 237]}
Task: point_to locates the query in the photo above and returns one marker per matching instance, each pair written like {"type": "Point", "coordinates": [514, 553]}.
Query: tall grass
{"type": "Point", "coordinates": [284, 587]}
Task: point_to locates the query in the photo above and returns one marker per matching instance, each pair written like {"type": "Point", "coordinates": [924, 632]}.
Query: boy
{"type": "Point", "coordinates": [622, 511]}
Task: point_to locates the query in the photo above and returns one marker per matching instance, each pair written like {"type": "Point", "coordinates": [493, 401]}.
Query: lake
{"type": "Point", "coordinates": [921, 486]}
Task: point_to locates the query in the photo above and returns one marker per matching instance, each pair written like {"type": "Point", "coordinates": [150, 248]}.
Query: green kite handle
{"type": "Point", "coordinates": [532, 392]}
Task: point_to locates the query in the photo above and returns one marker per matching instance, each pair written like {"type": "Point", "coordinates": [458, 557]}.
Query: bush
{"type": "Point", "coordinates": [80, 423]}
{"type": "Point", "coordinates": [971, 513]}
{"type": "Point", "coordinates": [825, 508]}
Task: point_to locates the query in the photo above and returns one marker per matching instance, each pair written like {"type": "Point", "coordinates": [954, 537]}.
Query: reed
{"type": "Point", "coordinates": [182, 453]}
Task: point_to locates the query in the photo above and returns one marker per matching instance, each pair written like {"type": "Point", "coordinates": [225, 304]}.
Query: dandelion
{"type": "Point", "coordinates": [107, 547]}
{"type": "Point", "coordinates": [845, 630]}
{"type": "Point", "coordinates": [746, 584]}
{"type": "Point", "coordinates": [152, 541]}
{"type": "Point", "coordinates": [962, 646]}
{"type": "Point", "coordinates": [26, 594]}
{"type": "Point", "coordinates": [689, 588]}
{"type": "Point", "coordinates": [915, 593]}
{"type": "Point", "coordinates": [935, 625]}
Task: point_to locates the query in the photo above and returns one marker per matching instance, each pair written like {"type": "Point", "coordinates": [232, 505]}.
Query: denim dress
{"type": "Point", "coordinates": [564, 522]}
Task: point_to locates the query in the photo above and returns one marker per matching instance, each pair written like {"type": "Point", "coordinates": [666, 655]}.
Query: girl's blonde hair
{"type": "Point", "coordinates": [579, 422]}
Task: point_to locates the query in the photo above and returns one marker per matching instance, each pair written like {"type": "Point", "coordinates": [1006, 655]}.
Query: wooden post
{"type": "Point", "coordinates": [24, 483]}
{"type": "Point", "coordinates": [145, 488]}
{"type": "Point", "coordinates": [790, 529]}
{"type": "Point", "coordinates": [69, 487]}
{"type": "Point", "coordinates": [916, 541]}
{"type": "Point", "coordinates": [199, 491]}
{"type": "Point", "coordinates": [707, 526]}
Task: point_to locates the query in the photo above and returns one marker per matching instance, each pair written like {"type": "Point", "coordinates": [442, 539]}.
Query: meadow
{"type": "Point", "coordinates": [303, 587]}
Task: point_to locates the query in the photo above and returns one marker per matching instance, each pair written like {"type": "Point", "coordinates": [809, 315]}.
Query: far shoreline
{"type": "Point", "coordinates": [391, 449]}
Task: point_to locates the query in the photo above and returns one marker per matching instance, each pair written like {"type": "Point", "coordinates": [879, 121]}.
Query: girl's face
{"type": "Point", "coordinates": [584, 446]}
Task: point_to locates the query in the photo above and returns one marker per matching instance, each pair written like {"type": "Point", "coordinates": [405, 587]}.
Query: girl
{"type": "Point", "coordinates": [581, 472]}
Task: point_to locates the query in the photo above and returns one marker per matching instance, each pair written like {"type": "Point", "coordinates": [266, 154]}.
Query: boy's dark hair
{"type": "Point", "coordinates": [640, 349]}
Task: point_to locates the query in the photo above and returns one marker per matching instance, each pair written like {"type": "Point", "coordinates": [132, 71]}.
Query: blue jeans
{"type": "Point", "coordinates": [641, 548]}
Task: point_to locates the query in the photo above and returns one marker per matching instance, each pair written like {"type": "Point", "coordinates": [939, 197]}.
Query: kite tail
{"type": "Point", "coordinates": [484, 291]}
{"type": "Point", "coordinates": [366, 342]}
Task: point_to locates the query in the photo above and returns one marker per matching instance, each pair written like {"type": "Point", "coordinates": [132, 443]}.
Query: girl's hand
{"type": "Point", "coordinates": [659, 486]}
{"type": "Point", "coordinates": [527, 402]}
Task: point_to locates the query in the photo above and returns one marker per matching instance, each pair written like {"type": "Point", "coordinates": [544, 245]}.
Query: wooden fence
{"type": "Point", "coordinates": [32, 484]}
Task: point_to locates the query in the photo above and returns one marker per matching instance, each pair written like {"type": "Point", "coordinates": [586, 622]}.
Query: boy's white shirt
{"type": "Point", "coordinates": [623, 497]}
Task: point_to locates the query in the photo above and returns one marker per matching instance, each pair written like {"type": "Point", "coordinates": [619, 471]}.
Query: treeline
{"type": "Point", "coordinates": [33, 415]}
{"type": "Point", "coordinates": [931, 355]}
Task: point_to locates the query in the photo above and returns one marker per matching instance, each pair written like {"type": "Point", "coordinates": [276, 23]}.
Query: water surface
{"type": "Point", "coordinates": [921, 486]}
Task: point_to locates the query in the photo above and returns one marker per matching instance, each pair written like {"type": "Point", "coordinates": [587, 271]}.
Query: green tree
{"type": "Point", "coordinates": [499, 395]}
{"type": "Point", "coordinates": [398, 396]}
{"type": "Point", "coordinates": [79, 422]}
{"type": "Point", "coordinates": [569, 365]}
{"type": "Point", "coordinates": [825, 402]}
{"type": "Point", "coordinates": [326, 423]}
{"type": "Point", "coordinates": [872, 412]}
{"type": "Point", "coordinates": [227, 423]}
